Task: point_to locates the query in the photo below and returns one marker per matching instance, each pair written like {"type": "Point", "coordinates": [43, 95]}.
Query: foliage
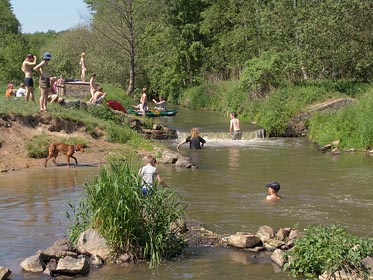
{"type": "Point", "coordinates": [352, 125]}
{"type": "Point", "coordinates": [37, 147]}
{"type": "Point", "coordinates": [132, 223]}
{"type": "Point", "coordinates": [327, 249]}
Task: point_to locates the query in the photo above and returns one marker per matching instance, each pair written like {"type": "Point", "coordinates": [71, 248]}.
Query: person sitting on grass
{"type": "Point", "coordinates": [98, 96]}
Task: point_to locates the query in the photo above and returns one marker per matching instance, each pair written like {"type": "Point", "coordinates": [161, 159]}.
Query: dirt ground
{"type": "Point", "coordinates": [16, 131]}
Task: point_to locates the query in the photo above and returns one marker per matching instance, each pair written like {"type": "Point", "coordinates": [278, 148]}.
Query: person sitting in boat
{"type": "Point", "coordinates": [161, 104]}
{"type": "Point", "coordinates": [195, 141]}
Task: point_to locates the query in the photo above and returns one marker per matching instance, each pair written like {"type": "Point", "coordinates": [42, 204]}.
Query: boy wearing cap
{"type": "Point", "coordinates": [273, 189]}
{"type": "Point", "coordinates": [27, 65]}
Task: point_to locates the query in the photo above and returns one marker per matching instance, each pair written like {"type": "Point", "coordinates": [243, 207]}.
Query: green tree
{"type": "Point", "coordinates": [12, 45]}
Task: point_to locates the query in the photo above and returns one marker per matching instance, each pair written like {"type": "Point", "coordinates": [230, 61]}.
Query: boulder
{"type": "Point", "coordinates": [341, 275]}
{"type": "Point", "coordinates": [280, 234]}
{"type": "Point", "coordinates": [271, 244]}
{"type": "Point", "coordinates": [73, 266]}
{"type": "Point", "coordinates": [92, 243]}
{"type": "Point", "coordinates": [279, 257]}
{"type": "Point", "coordinates": [4, 273]}
{"type": "Point", "coordinates": [265, 232]}
{"type": "Point", "coordinates": [295, 234]}
{"type": "Point", "coordinates": [368, 264]}
{"type": "Point", "coordinates": [61, 248]}
{"type": "Point", "coordinates": [184, 161]}
{"type": "Point", "coordinates": [244, 240]}
{"type": "Point", "coordinates": [33, 264]}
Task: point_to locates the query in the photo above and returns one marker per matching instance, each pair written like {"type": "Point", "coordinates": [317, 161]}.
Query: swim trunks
{"type": "Point", "coordinates": [29, 82]}
{"type": "Point", "coordinates": [237, 135]}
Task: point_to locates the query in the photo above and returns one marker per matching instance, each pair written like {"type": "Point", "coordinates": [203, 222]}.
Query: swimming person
{"type": "Point", "coordinates": [273, 189]}
{"type": "Point", "coordinates": [234, 128]}
{"type": "Point", "coordinates": [195, 141]}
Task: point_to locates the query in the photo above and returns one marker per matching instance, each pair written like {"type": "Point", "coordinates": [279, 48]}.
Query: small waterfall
{"type": "Point", "coordinates": [224, 136]}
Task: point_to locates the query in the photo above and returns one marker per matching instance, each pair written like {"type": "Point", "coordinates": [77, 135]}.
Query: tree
{"type": "Point", "coordinates": [13, 46]}
{"type": "Point", "coordinates": [114, 20]}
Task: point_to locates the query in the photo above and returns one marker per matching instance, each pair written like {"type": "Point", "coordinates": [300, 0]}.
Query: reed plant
{"type": "Point", "coordinates": [131, 222]}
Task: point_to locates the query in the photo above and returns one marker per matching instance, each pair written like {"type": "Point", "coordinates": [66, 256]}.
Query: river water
{"type": "Point", "coordinates": [226, 194]}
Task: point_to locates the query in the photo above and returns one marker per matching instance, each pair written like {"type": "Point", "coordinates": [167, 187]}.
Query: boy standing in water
{"type": "Point", "coordinates": [148, 174]}
{"type": "Point", "coordinates": [273, 189]}
{"type": "Point", "coordinates": [234, 128]}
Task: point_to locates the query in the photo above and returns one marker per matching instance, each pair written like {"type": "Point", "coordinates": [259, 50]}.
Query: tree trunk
{"type": "Point", "coordinates": [132, 52]}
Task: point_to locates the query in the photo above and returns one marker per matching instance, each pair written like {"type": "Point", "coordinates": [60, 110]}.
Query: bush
{"type": "Point", "coordinates": [138, 225]}
{"type": "Point", "coordinates": [37, 147]}
{"type": "Point", "coordinates": [327, 249]}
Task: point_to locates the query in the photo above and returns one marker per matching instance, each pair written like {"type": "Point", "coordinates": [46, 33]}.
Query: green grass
{"type": "Point", "coordinates": [114, 205]}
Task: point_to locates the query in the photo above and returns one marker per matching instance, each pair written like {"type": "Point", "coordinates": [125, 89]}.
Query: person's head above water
{"type": "Point", "coordinates": [273, 185]}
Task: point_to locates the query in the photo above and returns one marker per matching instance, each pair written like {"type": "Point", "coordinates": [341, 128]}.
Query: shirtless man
{"type": "Point", "coordinates": [273, 189]}
{"type": "Point", "coordinates": [27, 65]}
{"type": "Point", "coordinates": [234, 128]}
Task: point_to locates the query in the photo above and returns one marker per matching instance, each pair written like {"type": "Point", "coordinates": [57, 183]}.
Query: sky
{"type": "Point", "coordinates": [45, 15]}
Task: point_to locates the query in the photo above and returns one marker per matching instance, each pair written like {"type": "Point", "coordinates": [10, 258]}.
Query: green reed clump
{"type": "Point", "coordinates": [37, 147]}
{"type": "Point", "coordinates": [328, 249]}
{"type": "Point", "coordinates": [132, 223]}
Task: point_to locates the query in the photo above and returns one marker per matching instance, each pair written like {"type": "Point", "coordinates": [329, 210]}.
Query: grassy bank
{"type": "Point", "coordinates": [272, 110]}
{"type": "Point", "coordinates": [94, 118]}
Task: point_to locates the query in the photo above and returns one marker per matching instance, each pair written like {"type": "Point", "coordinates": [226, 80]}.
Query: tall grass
{"type": "Point", "coordinates": [353, 125]}
{"type": "Point", "coordinates": [132, 223]}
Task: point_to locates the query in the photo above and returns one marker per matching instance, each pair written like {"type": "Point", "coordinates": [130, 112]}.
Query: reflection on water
{"type": "Point", "coordinates": [226, 193]}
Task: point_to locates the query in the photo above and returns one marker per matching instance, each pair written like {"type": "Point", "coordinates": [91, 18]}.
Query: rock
{"type": "Point", "coordinates": [124, 258]}
{"type": "Point", "coordinates": [179, 226]}
{"type": "Point", "coordinates": [168, 157]}
{"type": "Point", "coordinates": [368, 264]}
{"type": "Point", "coordinates": [4, 273]}
{"type": "Point", "coordinates": [91, 242]}
{"type": "Point", "coordinates": [184, 161]}
{"type": "Point", "coordinates": [265, 232]}
{"type": "Point", "coordinates": [72, 266]}
{"type": "Point", "coordinates": [96, 261]}
{"type": "Point", "coordinates": [279, 257]}
{"type": "Point", "coordinates": [51, 267]}
{"type": "Point", "coordinates": [61, 248]}
{"type": "Point", "coordinates": [295, 234]}
{"type": "Point", "coordinates": [340, 275]}
{"type": "Point", "coordinates": [33, 264]}
{"type": "Point", "coordinates": [271, 244]}
{"type": "Point", "coordinates": [280, 234]}
{"type": "Point", "coordinates": [244, 240]}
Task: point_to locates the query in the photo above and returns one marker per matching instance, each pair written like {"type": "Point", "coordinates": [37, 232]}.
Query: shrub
{"type": "Point", "coordinates": [37, 147]}
{"type": "Point", "coordinates": [114, 205]}
{"type": "Point", "coordinates": [327, 249]}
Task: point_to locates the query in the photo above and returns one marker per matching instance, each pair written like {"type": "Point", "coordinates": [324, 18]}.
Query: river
{"type": "Point", "coordinates": [226, 194]}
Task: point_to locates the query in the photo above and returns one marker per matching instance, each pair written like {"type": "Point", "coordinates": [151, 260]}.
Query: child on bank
{"type": "Point", "coordinates": [21, 92]}
{"type": "Point", "coordinates": [9, 91]}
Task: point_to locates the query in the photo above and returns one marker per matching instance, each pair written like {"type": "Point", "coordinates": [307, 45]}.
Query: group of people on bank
{"type": "Point", "coordinates": [51, 88]}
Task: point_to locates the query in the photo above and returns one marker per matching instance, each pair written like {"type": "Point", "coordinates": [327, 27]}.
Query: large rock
{"type": "Point", "coordinates": [341, 275]}
{"type": "Point", "coordinates": [279, 257]}
{"type": "Point", "coordinates": [61, 248]}
{"type": "Point", "coordinates": [33, 264]}
{"type": "Point", "coordinates": [265, 232]}
{"type": "Point", "coordinates": [184, 161]}
{"type": "Point", "coordinates": [244, 240]}
{"type": "Point", "coordinates": [4, 273]}
{"type": "Point", "coordinates": [92, 243]}
{"type": "Point", "coordinates": [72, 266]}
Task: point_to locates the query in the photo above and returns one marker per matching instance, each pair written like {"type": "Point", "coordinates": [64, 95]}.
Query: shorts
{"type": "Point", "coordinates": [29, 82]}
{"type": "Point", "coordinates": [237, 135]}
{"type": "Point", "coordinates": [146, 190]}
{"type": "Point", "coordinates": [44, 83]}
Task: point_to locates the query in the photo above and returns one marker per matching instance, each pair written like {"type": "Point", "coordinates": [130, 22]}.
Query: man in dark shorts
{"type": "Point", "coordinates": [27, 65]}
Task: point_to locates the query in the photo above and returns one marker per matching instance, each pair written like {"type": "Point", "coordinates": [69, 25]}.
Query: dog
{"type": "Point", "coordinates": [66, 149]}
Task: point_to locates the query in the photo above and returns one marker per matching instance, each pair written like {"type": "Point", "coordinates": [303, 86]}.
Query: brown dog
{"type": "Point", "coordinates": [66, 149]}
